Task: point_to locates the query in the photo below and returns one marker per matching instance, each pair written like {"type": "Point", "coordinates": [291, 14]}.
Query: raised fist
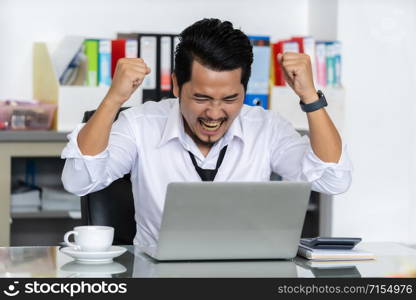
{"type": "Point", "coordinates": [297, 70]}
{"type": "Point", "coordinates": [128, 76]}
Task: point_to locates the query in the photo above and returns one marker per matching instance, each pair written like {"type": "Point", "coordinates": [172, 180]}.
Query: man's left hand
{"type": "Point", "coordinates": [297, 70]}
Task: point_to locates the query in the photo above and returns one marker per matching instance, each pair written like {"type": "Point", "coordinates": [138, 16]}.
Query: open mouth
{"type": "Point", "coordinates": [211, 126]}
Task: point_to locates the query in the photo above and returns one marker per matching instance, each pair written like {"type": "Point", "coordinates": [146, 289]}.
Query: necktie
{"type": "Point", "coordinates": [208, 174]}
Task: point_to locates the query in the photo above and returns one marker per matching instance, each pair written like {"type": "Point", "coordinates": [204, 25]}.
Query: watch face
{"type": "Point", "coordinates": [322, 98]}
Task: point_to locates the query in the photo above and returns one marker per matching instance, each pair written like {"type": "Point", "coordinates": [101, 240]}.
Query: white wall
{"type": "Point", "coordinates": [379, 73]}
{"type": "Point", "coordinates": [24, 21]}
{"type": "Point", "coordinates": [323, 19]}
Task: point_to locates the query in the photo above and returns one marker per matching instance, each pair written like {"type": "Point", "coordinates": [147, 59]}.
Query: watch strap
{"type": "Point", "coordinates": [318, 104]}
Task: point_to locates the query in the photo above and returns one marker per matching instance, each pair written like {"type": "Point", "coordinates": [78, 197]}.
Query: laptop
{"type": "Point", "coordinates": [231, 221]}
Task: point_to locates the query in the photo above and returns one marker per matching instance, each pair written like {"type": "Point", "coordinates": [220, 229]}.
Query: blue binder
{"type": "Point", "coordinates": [258, 85]}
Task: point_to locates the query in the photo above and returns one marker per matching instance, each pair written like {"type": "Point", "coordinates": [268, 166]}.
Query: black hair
{"type": "Point", "coordinates": [216, 45]}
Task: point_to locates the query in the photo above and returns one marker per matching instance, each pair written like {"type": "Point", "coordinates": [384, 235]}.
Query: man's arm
{"type": "Point", "coordinates": [325, 139]}
{"type": "Point", "coordinates": [88, 167]}
{"type": "Point", "coordinates": [129, 74]}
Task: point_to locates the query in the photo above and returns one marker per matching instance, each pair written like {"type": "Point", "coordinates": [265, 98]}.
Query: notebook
{"type": "Point", "coordinates": [334, 255]}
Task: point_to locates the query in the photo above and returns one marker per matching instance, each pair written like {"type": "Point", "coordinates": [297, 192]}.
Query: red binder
{"type": "Point", "coordinates": [118, 50]}
{"type": "Point", "coordinates": [278, 72]}
{"type": "Point", "coordinates": [299, 40]}
{"type": "Point", "coordinates": [281, 47]}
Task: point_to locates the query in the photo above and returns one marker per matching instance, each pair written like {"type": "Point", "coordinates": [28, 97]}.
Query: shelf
{"type": "Point", "coordinates": [32, 136]}
{"type": "Point", "coordinates": [47, 214]}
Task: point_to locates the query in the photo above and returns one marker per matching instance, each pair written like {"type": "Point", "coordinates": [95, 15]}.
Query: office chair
{"type": "Point", "coordinates": [112, 206]}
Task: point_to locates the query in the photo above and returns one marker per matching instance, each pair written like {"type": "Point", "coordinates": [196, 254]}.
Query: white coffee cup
{"type": "Point", "coordinates": [91, 238]}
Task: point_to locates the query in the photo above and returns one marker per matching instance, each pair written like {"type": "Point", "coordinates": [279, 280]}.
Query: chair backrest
{"type": "Point", "coordinates": [111, 206]}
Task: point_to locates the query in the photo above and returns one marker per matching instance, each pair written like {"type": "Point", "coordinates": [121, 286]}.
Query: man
{"type": "Point", "coordinates": [205, 134]}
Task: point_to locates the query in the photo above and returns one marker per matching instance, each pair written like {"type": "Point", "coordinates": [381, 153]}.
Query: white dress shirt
{"type": "Point", "coordinates": [149, 142]}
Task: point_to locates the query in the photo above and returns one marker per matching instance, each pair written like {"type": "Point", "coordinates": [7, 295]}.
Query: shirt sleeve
{"type": "Point", "coordinates": [84, 174]}
{"type": "Point", "coordinates": [292, 157]}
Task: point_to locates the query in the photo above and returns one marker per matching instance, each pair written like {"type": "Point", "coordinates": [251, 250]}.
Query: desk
{"type": "Point", "coordinates": [392, 259]}
{"type": "Point", "coordinates": [22, 144]}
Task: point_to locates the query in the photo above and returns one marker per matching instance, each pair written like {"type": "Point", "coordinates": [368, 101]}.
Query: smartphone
{"type": "Point", "coordinates": [330, 242]}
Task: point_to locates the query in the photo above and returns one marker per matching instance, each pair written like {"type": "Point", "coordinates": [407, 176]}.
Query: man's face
{"type": "Point", "coordinates": [209, 102]}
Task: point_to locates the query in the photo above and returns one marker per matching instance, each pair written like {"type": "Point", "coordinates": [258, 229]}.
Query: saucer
{"type": "Point", "coordinates": [94, 257]}
{"type": "Point", "coordinates": [98, 270]}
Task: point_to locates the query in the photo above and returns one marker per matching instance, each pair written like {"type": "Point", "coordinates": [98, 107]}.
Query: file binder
{"type": "Point", "coordinates": [148, 50]}
{"type": "Point", "coordinates": [157, 50]}
{"type": "Point", "coordinates": [321, 63]}
{"type": "Point", "coordinates": [104, 63]}
{"type": "Point", "coordinates": [132, 48]}
{"type": "Point", "coordinates": [118, 50]}
{"type": "Point", "coordinates": [330, 63]}
{"type": "Point", "coordinates": [175, 44]}
{"type": "Point", "coordinates": [282, 47]}
{"type": "Point", "coordinates": [91, 52]}
{"type": "Point", "coordinates": [307, 45]}
{"type": "Point", "coordinates": [337, 63]}
{"type": "Point", "coordinates": [258, 85]}
{"type": "Point", "coordinates": [165, 66]}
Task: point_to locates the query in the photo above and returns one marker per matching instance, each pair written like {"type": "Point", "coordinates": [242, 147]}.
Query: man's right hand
{"type": "Point", "coordinates": [128, 76]}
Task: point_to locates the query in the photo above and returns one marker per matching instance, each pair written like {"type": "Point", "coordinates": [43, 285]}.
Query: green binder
{"type": "Point", "coordinates": [91, 52]}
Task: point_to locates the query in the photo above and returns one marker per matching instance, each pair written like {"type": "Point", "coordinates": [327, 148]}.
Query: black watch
{"type": "Point", "coordinates": [318, 104]}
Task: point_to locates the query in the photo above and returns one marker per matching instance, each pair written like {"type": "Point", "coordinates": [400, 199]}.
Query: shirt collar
{"type": "Point", "coordinates": [236, 129]}
{"type": "Point", "coordinates": [174, 127]}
